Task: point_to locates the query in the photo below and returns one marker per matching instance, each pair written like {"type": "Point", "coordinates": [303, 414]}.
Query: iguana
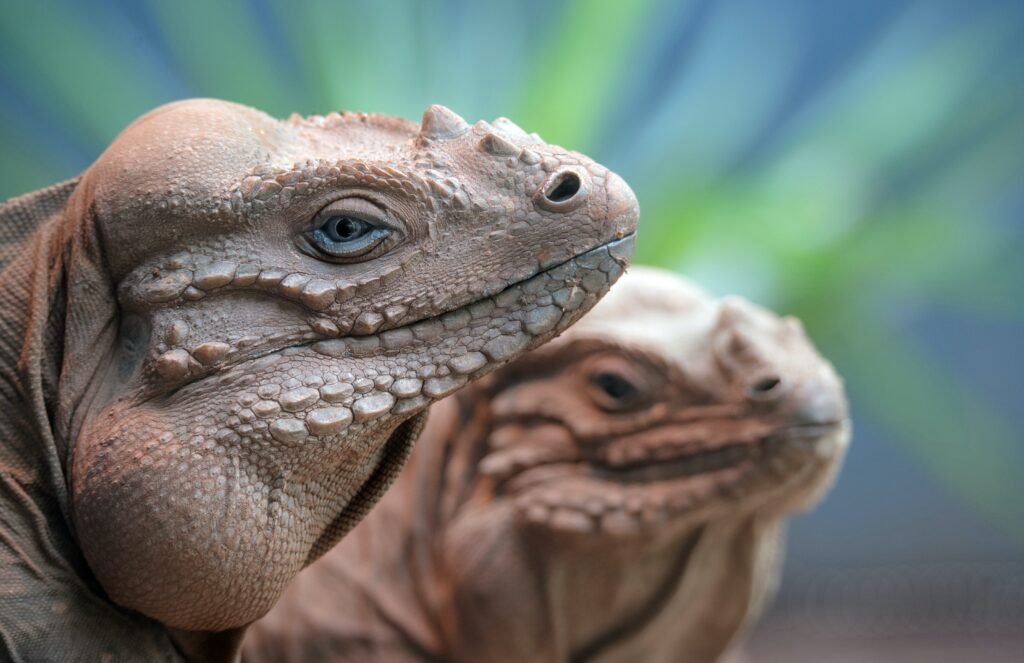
{"type": "Point", "coordinates": [616, 495]}
{"type": "Point", "coordinates": [216, 342]}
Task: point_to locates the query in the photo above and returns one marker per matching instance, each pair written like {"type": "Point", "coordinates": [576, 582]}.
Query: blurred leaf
{"type": "Point", "coordinates": [224, 55]}
{"type": "Point", "coordinates": [363, 55]}
{"type": "Point", "coordinates": [22, 170]}
{"type": "Point", "coordinates": [899, 99]}
{"type": "Point", "coordinates": [88, 79]}
{"type": "Point", "coordinates": [705, 119]}
{"type": "Point", "coordinates": [816, 191]}
{"type": "Point", "coordinates": [478, 67]}
{"type": "Point", "coordinates": [573, 79]}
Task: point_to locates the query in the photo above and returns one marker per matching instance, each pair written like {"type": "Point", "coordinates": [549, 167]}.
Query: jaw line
{"type": "Point", "coordinates": [245, 358]}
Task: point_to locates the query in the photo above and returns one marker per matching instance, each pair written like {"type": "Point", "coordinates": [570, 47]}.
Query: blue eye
{"type": "Point", "coordinates": [345, 228]}
{"type": "Point", "coordinates": [341, 235]}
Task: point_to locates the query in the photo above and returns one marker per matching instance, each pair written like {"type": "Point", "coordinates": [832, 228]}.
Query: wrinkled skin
{"type": "Point", "coordinates": [617, 495]}
{"type": "Point", "coordinates": [230, 327]}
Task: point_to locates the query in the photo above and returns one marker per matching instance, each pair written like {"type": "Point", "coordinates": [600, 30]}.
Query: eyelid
{"type": "Point", "coordinates": [358, 207]}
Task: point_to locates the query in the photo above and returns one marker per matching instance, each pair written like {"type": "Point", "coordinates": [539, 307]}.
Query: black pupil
{"type": "Point", "coordinates": [614, 385]}
{"type": "Point", "coordinates": [346, 228]}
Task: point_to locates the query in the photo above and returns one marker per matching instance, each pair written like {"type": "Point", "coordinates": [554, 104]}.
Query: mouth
{"type": "Point", "coordinates": [721, 460]}
{"type": "Point", "coordinates": [721, 457]}
{"type": "Point", "coordinates": [687, 465]}
{"type": "Point", "coordinates": [630, 498]}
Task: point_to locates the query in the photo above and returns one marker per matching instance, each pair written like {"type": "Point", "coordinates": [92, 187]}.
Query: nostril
{"type": "Point", "coordinates": [563, 187]}
{"type": "Point", "coordinates": [765, 387]}
{"type": "Point", "coordinates": [563, 191]}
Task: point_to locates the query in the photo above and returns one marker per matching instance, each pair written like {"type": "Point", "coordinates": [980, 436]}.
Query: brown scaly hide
{"type": "Point", "coordinates": [617, 495]}
{"type": "Point", "coordinates": [217, 343]}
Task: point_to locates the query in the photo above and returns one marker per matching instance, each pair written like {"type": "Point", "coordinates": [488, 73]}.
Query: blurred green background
{"type": "Point", "coordinates": [858, 164]}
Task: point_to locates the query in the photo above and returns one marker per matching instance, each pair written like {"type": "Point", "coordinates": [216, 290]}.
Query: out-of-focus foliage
{"type": "Point", "coordinates": [859, 164]}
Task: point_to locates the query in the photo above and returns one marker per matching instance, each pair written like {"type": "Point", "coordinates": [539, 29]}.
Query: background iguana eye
{"type": "Point", "coordinates": [614, 386]}
{"type": "Point", "coordinates": [613, 392]}
{"type": "Point", "coordinates": [349, 229]}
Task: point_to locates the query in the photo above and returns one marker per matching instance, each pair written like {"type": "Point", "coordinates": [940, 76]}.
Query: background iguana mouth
{"type": "Point", "coordinates": [676, 465]}
{"type": "Point", "coordinates": [698, 461]}
{"type": "Point", "coordinates": [679, 483]}
{"type": "Point", "coordinates": [680, 462]}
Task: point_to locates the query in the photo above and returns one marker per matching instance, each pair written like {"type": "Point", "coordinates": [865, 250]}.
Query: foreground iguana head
{"type": "Point", "coordinates": [616, 495]}
{"type": "Point", "coordinates": [287, 294]}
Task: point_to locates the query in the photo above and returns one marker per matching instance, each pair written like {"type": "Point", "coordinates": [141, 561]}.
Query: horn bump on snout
{"type": "Point", "coordinates": [441, 122]}
{"type": "Point", "coordinates": [498, 146]}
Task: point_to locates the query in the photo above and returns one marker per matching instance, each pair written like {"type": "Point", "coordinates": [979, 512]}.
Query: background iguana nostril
{"type": "Point", "coordinates": [613, 496]}
{"type": "Point", "coordinates": [212, 337]}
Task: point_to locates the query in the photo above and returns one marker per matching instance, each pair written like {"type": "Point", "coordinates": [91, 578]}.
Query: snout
{"type": "Point", "coordinates": [810, 400]}
{"type": "Point", "coordinates": [819, 401]}
{"type": "Point", "coordinates": [608, 197]}
{"type": "Point", "coordinates": [623, 208]}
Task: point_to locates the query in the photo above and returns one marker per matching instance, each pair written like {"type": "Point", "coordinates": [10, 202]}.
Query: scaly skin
{"type": "Point", "coordinates": [201, 394]}
{"type": "Point", "coordinates": [617, 495]}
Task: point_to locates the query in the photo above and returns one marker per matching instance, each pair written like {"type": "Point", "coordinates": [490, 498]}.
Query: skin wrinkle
{"type": "Point", "coordinates": [513, 536]}
{"type": "Point", "coordinates": [230, 403]}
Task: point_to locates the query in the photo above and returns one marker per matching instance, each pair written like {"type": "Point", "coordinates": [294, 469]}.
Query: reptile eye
{"type": "Point", "coordinates": [347, 230]}
{"type": "Point", "coordinates": [614, 386]}
{"type": "Point", "coordinates": [617, 382]}
{"type": "Point", "coordinates": [347, 236]}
